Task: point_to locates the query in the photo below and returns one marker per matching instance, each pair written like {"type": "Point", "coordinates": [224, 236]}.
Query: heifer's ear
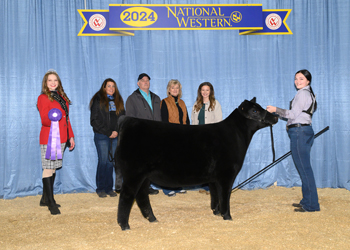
{"type": "Point", "coordinates": [253, 100]}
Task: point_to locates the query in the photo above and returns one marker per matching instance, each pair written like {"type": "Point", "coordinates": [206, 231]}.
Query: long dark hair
{"type": "Point", "coordinates": [199, 101]}
{"type": "Point", "coordinates": [306, 73]}
{"type": "Point", "coordinates": [104, 101]}
{"type": "Point", "coordinates": [308, 76]}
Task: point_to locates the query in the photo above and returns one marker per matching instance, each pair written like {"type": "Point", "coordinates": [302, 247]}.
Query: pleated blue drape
{"type": "Point", "coordinates": [40, 35]}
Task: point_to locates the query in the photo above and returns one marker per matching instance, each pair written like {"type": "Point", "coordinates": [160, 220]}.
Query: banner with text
{"type": "Point", "coordinates": [123, 19]}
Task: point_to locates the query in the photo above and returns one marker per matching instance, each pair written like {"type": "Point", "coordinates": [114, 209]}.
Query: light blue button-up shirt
{"type": "Point", "coordinates": [147, 98]}
{"type": "Point", "coordinates": [302, 101]}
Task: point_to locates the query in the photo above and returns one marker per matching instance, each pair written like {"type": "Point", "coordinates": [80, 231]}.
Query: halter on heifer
{"type": "Point", "coordinates": [240, 108]}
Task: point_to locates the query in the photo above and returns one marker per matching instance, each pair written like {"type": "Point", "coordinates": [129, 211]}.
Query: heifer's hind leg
{"type": "Point", "coordinates": [143, 202]}
{"type": "Point", "coordinates": [124, 207]}
{"type": "Point", "coordinates": [126, 199]}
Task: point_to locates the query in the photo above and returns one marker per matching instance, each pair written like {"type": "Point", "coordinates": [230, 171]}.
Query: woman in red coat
{"type": "Point", "coordinates": [53, 98]}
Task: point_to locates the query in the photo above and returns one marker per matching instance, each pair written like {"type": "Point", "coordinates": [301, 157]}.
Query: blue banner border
{"type": "Point", "coordinates": [263, 30]}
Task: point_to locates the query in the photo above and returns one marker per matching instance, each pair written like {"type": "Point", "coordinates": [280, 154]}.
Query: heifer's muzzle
{"type": "Point", "coordinates": [271, 119]}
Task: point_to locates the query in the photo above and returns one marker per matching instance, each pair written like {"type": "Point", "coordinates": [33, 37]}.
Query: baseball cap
{"type": "Point", "coordinates": [142, 76]}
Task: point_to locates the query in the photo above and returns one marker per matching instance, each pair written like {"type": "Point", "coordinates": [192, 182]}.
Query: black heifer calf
{"type": "Point", "coordinates": [173, 155]}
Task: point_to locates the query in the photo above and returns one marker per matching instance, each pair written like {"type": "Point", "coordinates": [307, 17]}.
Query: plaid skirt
{"type": "Point", "coordinates": [51, 164]}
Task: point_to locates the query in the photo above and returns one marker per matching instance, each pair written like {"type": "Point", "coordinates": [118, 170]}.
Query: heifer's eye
{"type": "Point", "coordinates": [255, 112]}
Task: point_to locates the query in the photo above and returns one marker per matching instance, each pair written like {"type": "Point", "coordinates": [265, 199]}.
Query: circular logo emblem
{"type": "Point", "coordinates": [236, 17]}
{"type": "Point", "coordinates": [97, 22]}
{"type": "Point", "coordinates": [273, 21]}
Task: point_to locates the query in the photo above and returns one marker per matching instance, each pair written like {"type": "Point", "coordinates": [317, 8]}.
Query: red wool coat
{"type": "Point", "coordinates": [44, 106]}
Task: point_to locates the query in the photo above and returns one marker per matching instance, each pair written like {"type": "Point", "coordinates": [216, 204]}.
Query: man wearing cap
{"type": "Point", "coordinates": [144, 104]}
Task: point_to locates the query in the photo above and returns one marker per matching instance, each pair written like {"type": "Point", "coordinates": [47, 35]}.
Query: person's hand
{"type": "Point", "coordinates": [271, 109]}
{"type": "Point", "coordinates": [114, 134]}
{"type": "Point", "coordinates": [72, 143]}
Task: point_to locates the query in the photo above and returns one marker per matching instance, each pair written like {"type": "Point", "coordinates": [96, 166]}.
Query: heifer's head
{"type": "Point", "coordinates": [253, 111]}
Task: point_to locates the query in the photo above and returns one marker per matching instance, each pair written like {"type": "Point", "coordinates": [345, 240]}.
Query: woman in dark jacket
{"type": "Point", "coordinates": [106, 107]}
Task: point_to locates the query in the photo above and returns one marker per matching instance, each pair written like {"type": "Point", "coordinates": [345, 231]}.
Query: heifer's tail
{"type": "Point", "coordinates": [120, 121]}
{"type": "Point", "coordinates": [272, 164]}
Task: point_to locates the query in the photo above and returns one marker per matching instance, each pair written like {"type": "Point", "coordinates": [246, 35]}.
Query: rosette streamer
{"type": "Point", "coordinates": [54, 143]}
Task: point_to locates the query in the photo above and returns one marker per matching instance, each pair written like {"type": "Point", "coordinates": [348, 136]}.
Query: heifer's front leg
{"type": "Point", "coordinates": [225, 203]}
{"type": "Point", "coordinates": [215, 206]}
{"type": "Point", "coordinates": [143, 202]}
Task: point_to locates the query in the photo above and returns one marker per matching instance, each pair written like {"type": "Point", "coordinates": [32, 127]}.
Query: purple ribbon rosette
{"type": "Point", "coordinates": [54, 143]}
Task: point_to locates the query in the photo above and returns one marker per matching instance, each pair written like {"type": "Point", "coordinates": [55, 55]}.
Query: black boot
{"type": "Point", "coordinates": [52, 184]}
{"type": "Point", "coordinates": [44, 202]}
{"type": "Point", "coordinates": [152, 191]}
{"type": "Point", "coordinates": [47, 184]}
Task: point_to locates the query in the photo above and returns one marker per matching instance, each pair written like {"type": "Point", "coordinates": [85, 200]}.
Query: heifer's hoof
{"type": "Point", "coordinates": [153, 219]}
{"type": "Point", "coordinates": [216, 212]}
{"type": "Point", "coordinates": [124, 228]}
{"type": "Point", "coordinates": [227, 217]}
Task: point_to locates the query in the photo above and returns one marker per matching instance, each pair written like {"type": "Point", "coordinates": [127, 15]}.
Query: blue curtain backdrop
{"type": "Point", "coordinates": [37, 35]}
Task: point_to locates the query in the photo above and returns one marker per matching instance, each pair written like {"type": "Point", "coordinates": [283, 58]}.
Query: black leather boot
{"type": "Point", "coordinates": [47, 184]}
{"type": "Point", "coordinates": [52, 184]}
{"type": "Point", "coordinates": [152, 191]}
{"type": "Point", "coordinates": [43, 201]}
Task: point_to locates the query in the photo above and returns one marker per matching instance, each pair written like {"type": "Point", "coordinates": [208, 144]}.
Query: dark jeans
{"type": "Point", "coordinates": [104, 173]}
{"type": "Point", "coordinates": [301, 140]}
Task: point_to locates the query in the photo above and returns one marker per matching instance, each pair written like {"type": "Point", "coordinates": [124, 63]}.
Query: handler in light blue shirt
{"type": "Point", "coordinates": [301, 136]}
{"type": "Point", "coordinates": [302, 101]}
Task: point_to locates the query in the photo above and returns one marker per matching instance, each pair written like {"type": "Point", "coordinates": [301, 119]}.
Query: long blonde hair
{"type": "Point", "coordinates": [45, 90]}
{"type": "Point", "coordinates": [199, 101]}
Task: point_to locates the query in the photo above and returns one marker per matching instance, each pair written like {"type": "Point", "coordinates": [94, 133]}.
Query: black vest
{"type": "Point", "coordinates": [310, 111]}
